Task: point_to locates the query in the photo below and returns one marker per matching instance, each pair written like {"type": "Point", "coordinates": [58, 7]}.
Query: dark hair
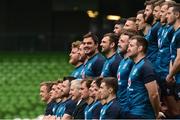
{"type": "Point", "coordinates": [93, 36]}
{"type": "Point", "coordinates": [88, 82]}
{"type": "Point", "coordinates": [48, 85]}
{"type": "Point", "coordinates": [98, 81]}
{"type": "Point", "coordinates": [150, 2]}
{"type": "Point", "coordinates": [176, 7]}
{"type": "Point", "coordinates": [70, 78]}
{"type": "Point", "coordinates": [141, 41]}
{"type": "Point", "coordinates": [122, 21]}
{"type": "Point", "coordinates": [141, 12]}
{"type": "Point", "coordinates": [111, 82]}
{"type": "Point", "coordinates": [113, 38]}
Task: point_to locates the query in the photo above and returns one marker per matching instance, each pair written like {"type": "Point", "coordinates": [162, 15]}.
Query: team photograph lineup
{"type": "Point", "coordinates": [132, 72]}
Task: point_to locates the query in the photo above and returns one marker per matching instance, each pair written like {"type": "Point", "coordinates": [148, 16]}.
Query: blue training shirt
{"type": "Point", "coordinates": [111, 110]}
{"type": "Point", "coordinates": [152, 38]}
{"type": "Point", "coordinates": [138, 98]}
{"type": "Point", "coordinates": [61, 108]}
{"type": "Point", "coordinates": [111, 66]}
{"type": "Point", "coordinates": [123, 72]}
{"type": "Point", "coordinates": [93, 67]}
{"type": "Point", "coordinates": [175, 44]}
{"type": "Point", "coordinates": [164, 56]}
{"type": "Point", "coordinates": [92, 111]}
{"type": "Point", "coordinates": [77, 73]}
{"type": "Point", "coordinates": [49, 108]}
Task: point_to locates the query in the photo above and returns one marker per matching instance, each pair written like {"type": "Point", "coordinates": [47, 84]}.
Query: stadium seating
{"type": "Point", "coordinates": [20, 77]}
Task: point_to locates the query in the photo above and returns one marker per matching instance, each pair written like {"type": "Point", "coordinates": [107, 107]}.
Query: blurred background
{"type": "Point", "coordinates": [35, 38]}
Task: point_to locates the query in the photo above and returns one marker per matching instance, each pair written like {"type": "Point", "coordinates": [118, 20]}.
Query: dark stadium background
{"type": "Point", "coordinates": [35, 38]}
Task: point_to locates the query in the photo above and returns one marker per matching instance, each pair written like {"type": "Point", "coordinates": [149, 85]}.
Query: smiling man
{"type": "Point", "coordinates": [95, 61]}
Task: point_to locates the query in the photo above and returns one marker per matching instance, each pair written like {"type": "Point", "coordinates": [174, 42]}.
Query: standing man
{"type": "Point", "coordinates": [95, 61]}
{"type": "Point", "coordinates": [163, 58]}
{"type": "Point", "coordinates": [124, 68]}
{"type": "Point", "coordinates": [173, 18]}
{"type": "Point", "coordinates": [109, 47]}
{"type": "Point", "coordinates": [152, 35]}
{"type": "Point", "coordinates": [142, 91]}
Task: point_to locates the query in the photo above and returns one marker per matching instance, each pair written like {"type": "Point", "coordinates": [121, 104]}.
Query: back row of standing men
{"type": "Point", "coordinates": [143, 56]}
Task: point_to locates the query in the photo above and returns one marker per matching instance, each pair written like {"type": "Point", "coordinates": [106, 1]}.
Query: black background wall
{"type": "Point", "coordinates": [51, 25]}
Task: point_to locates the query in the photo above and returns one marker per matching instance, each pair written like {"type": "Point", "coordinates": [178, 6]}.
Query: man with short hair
{"type": "Point", "coordinates": [141, 24]}
{"type": "Point", "coordinates": [173, 18]}
{"type": "Point", "coordinates": [119, 26]}
{"type": "Point", "coordinates": [85, 95]}
{"type": "Point", "coordinates": [45, 88]}
{"type": "Point", "coordinates": [66, 100]}
{"type": "Point", "coordinates": [108, 89]}
{"type": "Point", "coordinates": [163, 58]}
{"type": "Point", "coordinates": [142, 90]}
{"type": "Point", "coordinates": [109, 47]}
{"type": "Point", "coordinates": [95, 61]}
{"type": "Point", "coordinates": [152, 18]}
{"type": "Point", "coordinates": [124, 68]}
{"type": "Point", "coordinates": [130, 24]}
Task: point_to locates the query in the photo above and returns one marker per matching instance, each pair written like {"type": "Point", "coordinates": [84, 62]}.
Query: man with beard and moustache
{"type": "Point", "coordinates": [142, 92]}
{"type": "Point", "coordinates": [66, 103]}
{"type": "Point", "coordinates": [82, 55]}
{"type": "Point", "coordinates": [173, 18]}
{"type": "Point", "coordinates": [109, 47]}
{"type": "Point", "coordinates": [141, 24]}
{"type": "Point", "coordinates": [163, 58]}
{"type": "Point", "coordinates": [118, 28]}
{"type": "Point", "coordinates": [95, 61]}
{"type": "Point", "coordinates": [124, 68]}
{"type": "Point", "coordinates": [152, 35]}
{"type": "Point", "coordinates": [74, 60]}
{"type": "Point", "coordinates": [149, 11]}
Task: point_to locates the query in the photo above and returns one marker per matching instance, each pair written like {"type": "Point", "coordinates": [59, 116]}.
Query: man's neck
{"type": "Point", "coordinates": [78, 64]}
{"type": "Point", "coordinates": [93, 54]}
{"type": "Point", "coordinates": [147, 28]}
{"type": "Point", "coordinates": [138, 57]}
{"type": "Point", "coordinates": [176, 25]}
{"type": "Point", "coordinates": [110, 53]}
{"type": "Point", "coordinates": [89, 100]}
{"type": "Point", "coordinates": [58, 100]}
{"type": "Point", "coordinates": [111, 97]}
